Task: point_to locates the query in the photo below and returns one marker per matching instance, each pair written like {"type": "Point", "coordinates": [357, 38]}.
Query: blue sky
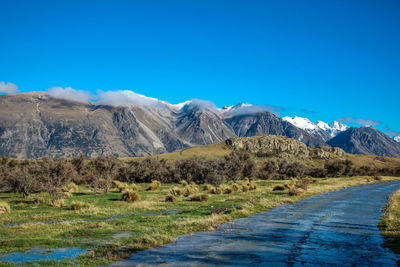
{"type": "Point", "coordinates": [320, 59]}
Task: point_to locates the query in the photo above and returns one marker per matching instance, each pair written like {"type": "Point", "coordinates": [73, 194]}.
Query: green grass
{"type": "Point", "coordinates": [146, 231]}
{"type": "Point", "coordinates": [390, 223]}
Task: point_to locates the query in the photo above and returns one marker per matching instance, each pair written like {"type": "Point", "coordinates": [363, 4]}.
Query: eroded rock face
{"type": "Point", "coordinates": [279, 146]}
{"type": "Point", "coordinates": [270, 145]}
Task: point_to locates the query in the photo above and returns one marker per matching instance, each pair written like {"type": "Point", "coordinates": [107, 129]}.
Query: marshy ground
{"type": "Point", "coordinates": [109, 229]}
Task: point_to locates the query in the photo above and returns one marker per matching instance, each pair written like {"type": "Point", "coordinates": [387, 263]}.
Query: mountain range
{"type": "Point", "coordinates": [35, 124]}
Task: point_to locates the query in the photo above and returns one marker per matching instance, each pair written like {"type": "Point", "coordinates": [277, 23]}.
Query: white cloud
{"type": "Point", "coordinates": [127, 98]}
{"type": "Point", "coordinates": [69, 94]}
{"type": "Point", "coordinates": [8, 88]}
{"type": "Point", "coordinates": [359, 121]}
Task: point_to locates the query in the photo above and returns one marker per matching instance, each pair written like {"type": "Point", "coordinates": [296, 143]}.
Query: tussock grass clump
{"type": "Point", "coordinates": [302, 183]}
{"type": "Point", "coordinates": [176, 191]}
{"type": "Point", "coordinates": [117, 184]}
{"type": "Point", "coordinates": [38, 199]}
{"type": "Point", "coordinates": [279, 188]}
{"type": "Point", "coordinates": [294, 191]}
{"type": "Point", "coordinates": [377, 178]}
{"type": "Point", "coordinates": [67, 194]}
{"type": "Point", "coordinates": [207, 187]}
{"type": "Point", "coordinates": [199, 197]}
{"type": "Point", "coordinates": [245, 188]}
{"type": "Point", "coordinates": [4, 207]}
{"type": "Point", "coordinates": [154, 185]}
{"type": "Point", "coordinates": [216, 191]}
{"type": "Point", "coordinates": [80, 205]}
{"type": "Point", "coordinates": [184, 183]}
{"type": "Point", "coordinates": [235, 187]}
{"type": "Point", "coordinates": [73, 188]}
{"type": "Point", "coordinates": [134, 187]}
{"type": "Point", "coordinates": [252, 186]}
{"type": "Point", "coordinates": [59, 203]}
{"type": "Point", "coordinates": [190, 190]}
{"type": "Point", "coordinates": [170, 198]}
{"type": "Point", "coordinates": [130, 196]}
{"type": "Point", "coordinates": [228, 190]}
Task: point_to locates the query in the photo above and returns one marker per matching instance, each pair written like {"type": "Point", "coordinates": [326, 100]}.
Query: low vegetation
{"type": "Point", "coordinates": [390, 223]}
{"type": "Point", "coordinates": [135, 195]}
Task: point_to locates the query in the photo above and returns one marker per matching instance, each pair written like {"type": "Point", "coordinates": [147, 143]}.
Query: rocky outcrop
{"type": "Point", "coordinates": [283, 147]}
{"type": "Point", "coordinates": [270, 145]}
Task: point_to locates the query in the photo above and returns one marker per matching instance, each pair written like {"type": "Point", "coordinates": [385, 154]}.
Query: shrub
{"type": "Point", "coordinates": [79, 205]}
{"type": "Point", "coordinates": [170, 198]}
{"type": "Point", "coordinates": [199, 197]}
{"type": "Point", "coordinates": [176, 191]}
{"type": "Point", "coordinates": [279, 188]}
{"type": "Point", "coordinates": [130, 196]}
{"type": "Point", "coordinates": [4, 207]}
{"type": "Point", "coordinates": [154, 185]}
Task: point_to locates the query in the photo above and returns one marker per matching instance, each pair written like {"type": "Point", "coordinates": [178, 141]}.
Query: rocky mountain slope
{"type": "Point", "coordinates": [366, 140]}
{"type": "Point", "coordinates": [34, 125]}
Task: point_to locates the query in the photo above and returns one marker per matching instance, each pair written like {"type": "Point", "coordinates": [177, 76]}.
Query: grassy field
{"type": "Point", "coordinates": [219, 150]}
{"type": "Point", "coordinates": [390, 223]}
{"type": "Point", "coordinates": [138, 231]}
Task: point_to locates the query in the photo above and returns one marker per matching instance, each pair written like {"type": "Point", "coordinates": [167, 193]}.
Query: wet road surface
{"type": "Point", "coordinates": [336, 228]}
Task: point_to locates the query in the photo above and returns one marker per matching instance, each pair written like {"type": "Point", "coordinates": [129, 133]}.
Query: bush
{"type": "Point", "coordinates": [79, 205]}
{"type": "Point", "coordinates": [170, 198]}
{"type": "Point", "coordinates": [154, 185]}
{"type": "Point", "coordinates": [4, 207]}
{"type": "Point", "coordinates": [130, 196]}
{"type": "Point", "coordinates": [176, 191]}
{"type": "Point", "coordinates": [199, 197]}
{"type": "Point", "coordinates": [279, 188]}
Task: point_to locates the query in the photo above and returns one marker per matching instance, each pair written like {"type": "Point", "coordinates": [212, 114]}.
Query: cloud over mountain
{"type": "Point", "coordinates": [359, 121]}
{"type": "Point", "coordinates": [69, 93]}
{"type": "Point", "coordinates": [8, 88]}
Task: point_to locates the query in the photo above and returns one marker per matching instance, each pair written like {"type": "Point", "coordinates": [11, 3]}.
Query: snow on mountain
{"type": "Point", "coordinates": [397, 138]}
{"type": "Point", "coordinates": [320, 128]}
{"type": "Point", "coordinates": [302, 123]}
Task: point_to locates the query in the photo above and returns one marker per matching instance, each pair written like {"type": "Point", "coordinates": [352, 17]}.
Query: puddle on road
{"type": "Point", "coordinates": [42, 254]}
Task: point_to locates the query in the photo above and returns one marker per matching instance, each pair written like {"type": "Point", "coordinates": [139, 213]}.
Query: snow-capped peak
{"type": "Point", "coordinates": [339, 126]}
{"type": "Point", "coordinates": [397, 138]}
{"type": "Point", "coordinates": [324, 126]}
{"type": "Point", "coordinates": [301, 122]}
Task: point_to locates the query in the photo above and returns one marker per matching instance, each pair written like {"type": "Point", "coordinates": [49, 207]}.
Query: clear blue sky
{"type": "Point", "coordinates": [320, 59]}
